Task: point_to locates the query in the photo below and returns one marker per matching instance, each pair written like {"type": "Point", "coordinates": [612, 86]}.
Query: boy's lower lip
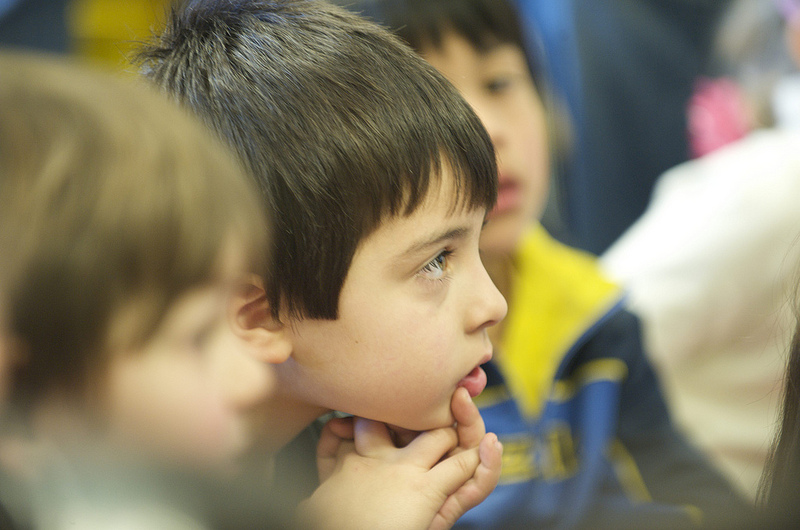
{"type": "Point", "coordinates": [474, 382]}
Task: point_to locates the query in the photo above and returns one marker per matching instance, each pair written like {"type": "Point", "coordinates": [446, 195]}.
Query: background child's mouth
{"type": "Point", "coordinates": [507, 197]}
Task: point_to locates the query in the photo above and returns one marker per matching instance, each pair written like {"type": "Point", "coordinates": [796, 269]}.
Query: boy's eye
{"type": "Point", "coordinates": [434, 269]}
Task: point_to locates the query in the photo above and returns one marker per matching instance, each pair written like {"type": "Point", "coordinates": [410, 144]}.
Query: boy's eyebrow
{"type": "Point", "coordinates": [437, 239]}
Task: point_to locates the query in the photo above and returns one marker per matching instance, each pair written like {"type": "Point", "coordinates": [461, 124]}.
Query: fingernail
{"type": "Point", "coordinates": [497, 443]}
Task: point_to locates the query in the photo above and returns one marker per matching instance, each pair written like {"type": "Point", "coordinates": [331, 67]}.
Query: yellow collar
{"type": "Point", "coordinates": [557, 293]}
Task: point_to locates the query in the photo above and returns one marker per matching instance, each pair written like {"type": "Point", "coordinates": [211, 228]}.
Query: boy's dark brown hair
{"type": "Point", "coordinates": [340, 124]}
{"type": "Point", "coordinates": [112, 201]}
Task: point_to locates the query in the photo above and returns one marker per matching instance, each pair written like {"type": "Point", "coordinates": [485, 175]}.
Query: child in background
{"type": "Point", "coordinates": [587, 436]}
{"type": "Point", "coordinates": [125, 230]}
{"type": "Point", "coordinates": [378, 177]}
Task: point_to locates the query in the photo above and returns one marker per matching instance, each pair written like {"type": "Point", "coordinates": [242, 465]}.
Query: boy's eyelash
{"type": "Point", "coordinates": [443, 255]}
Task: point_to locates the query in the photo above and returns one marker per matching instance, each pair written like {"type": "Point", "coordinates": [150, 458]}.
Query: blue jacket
{"type": "Point", "coordinates": [588, 441]}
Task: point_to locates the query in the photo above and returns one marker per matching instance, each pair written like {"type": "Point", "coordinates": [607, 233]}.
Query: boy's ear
{"type": "Point", "coordinates": [250, 317]}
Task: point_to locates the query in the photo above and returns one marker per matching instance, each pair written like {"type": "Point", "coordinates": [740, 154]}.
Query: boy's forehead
{"type": "Point", "coordinates": [456, 56]}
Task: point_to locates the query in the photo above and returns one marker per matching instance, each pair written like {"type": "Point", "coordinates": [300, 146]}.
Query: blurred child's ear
{"type": "Point", "coordinates": [251, 319]}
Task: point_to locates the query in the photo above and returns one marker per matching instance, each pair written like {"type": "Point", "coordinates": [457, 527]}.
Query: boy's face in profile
{"type": "Point", "coordinates": [413, 315]}
{"type": "Point", "coordinates": [186, 393]}
{"type": "Point", "coordinates": [498, 85]}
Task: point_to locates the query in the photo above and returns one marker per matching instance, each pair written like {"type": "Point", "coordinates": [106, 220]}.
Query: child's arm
{"type": "Point", "coordinates": [368, 482]}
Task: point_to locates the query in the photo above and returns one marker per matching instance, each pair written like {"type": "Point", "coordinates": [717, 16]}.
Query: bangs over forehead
{"type": "Point", "coordinates": [376, 120]}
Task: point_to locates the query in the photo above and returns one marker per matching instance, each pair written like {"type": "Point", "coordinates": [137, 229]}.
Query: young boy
{"type": "Point", "coordinates": [587, 436]}
{"type": "Point", "coordinates": [378, 177]}
{"type": "Point", "coordinates": [124, 230]}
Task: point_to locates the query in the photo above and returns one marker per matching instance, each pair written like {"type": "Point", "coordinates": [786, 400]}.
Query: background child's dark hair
{"type": "Point", "coordinates": [113, 201]}
{"type": "Point", "coordinates": [484, 23]}
{"type": "Point", "coordinates": [340, 124]}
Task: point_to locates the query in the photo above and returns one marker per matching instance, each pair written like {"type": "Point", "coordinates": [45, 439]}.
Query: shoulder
{"type": "Point", "coordinates": [616, 335]}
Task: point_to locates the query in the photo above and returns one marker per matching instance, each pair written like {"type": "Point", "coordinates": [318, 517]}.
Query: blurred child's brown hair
{"type": "Point", "coordinates": [111, 200]}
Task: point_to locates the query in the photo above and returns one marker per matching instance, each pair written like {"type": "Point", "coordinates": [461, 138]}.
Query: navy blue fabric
{"type": "Point", "coordinates": [561, 469]}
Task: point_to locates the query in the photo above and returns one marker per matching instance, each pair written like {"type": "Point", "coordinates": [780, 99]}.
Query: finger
{"type": "Point", "coordinates": [430, 447]}
{"type": "Point", "coordinates": [372, 438]}
{"type": "Point", "coordinates": [342, 427]}
{"type": "Point", "coordinates": [475, 489]}
{"type": "Point", "coordinates": [454, 471]}
{"type": "Point", "coordinates": [469, 423]}
{"type": "Point", "coordinates": [329, 447]}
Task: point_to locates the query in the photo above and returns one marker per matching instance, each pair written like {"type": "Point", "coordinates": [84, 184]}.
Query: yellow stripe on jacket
{"type": "Point", "coordinates": [557, 294]}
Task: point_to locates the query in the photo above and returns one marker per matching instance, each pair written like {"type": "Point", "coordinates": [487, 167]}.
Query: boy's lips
{"type": "Point", "coordinates": [474, 382]}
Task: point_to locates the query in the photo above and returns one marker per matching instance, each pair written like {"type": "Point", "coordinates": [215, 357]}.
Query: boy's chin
{"type": "Point", "coordinates": [402, 436]}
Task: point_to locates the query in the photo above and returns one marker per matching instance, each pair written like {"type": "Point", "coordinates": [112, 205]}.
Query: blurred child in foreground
{"type": "Point", "coordinates": [124, 228]}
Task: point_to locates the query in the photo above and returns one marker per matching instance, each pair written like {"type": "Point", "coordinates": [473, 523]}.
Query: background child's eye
{"type": "Point", "coordinates": [435, 268]}
{"type": "Point", "coordinates": [498, 84]}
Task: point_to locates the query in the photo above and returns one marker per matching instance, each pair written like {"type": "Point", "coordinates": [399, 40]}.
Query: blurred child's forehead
{"type": "Point", "coordinates": [233, 260]}
{"type": "Point", "coordinates": [483, 23]}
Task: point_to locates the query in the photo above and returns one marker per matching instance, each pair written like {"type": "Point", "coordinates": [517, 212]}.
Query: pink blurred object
{"type": "Point", "coordinates": [717, 115]}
